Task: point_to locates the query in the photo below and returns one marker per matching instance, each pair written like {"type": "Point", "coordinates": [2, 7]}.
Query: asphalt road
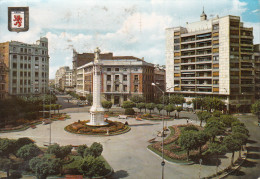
{"type": "Point", "coordinates": [251, 167]}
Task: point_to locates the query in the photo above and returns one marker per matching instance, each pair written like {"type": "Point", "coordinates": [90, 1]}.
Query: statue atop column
{"type": "Point", "coordinates": [97, 53]}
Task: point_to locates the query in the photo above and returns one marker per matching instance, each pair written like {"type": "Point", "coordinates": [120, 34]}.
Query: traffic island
{"type": "Point", "coordinates": [112, 128]}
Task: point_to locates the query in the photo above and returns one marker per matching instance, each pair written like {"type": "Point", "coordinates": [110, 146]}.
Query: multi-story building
{"type": "Point", "coordinates": [257, 70]}
{"type": "Point", "coordinates": [82, 59]}
{"type": "Point", "coordinates": [68, 81]}
{"type": "Point", "coordinates": [3, 80]}
{"type": "Point", "coordinates": [28, 66]}
{"type": "Point", "coordinates": [59, 74]}
{"type": "Point", "coordinates": [211, 57]}
{"type": "Point", "coordinates": [122, 76]}
{"type": "Point", "coordinates": [159, 80]}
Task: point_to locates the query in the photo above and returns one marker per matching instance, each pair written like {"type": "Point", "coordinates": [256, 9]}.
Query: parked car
{"type": "Point", "coordinates": [81, 103]}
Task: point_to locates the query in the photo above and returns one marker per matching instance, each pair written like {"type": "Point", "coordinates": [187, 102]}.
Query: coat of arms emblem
{"type": "Point", "coordinates": [18, 19]}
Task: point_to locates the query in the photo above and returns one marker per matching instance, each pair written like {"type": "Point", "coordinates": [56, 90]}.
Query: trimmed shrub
{"type": "Point", "coordinates": [191, 128]}
{"type": "Point", "coordinates": [129, 111]}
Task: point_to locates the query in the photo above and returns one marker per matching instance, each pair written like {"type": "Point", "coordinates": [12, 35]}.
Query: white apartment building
{"type": "Point", "coordinates": [28, 66]}
{"type": "Point", "coordinates": [211, 57]}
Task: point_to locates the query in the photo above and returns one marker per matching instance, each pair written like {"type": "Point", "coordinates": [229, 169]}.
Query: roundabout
{"type": "Point", "coordinates": [111, 128]}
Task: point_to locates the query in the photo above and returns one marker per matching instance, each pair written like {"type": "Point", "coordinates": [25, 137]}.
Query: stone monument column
{"type": "Point", "coordinates": [96, 110]}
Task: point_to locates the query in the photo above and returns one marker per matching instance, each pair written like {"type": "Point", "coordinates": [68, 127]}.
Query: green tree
{"type": "Point", "coordinates": [159, 107]}
{"type": "Point", "coordinates": [44, 166]}
{"type": "Point", "coordinates": [179, 109]}
{"type": "Point", "coordinates": [216, 149]}
{"type": "Point", "coordinates": [128, 104]}
{"type": "Point", "coordinates": [242, 138]}
{"type": "Point", "coordinates": [22, 141]}
{"type": "Point", "coordinates": [203, 116]}
{"type": "Point", "coordinates": [81, 149]}
{"type": "Point", "coordinates": [28, 151]}
{"type": "Point", "coordinates": [6, 165]}
{"type": "Point", "coordinates": [107, 104]}
{"type": "Point", "coordinates": [164, 99]}
{"type": "Point", "coordinates": [227, 120]}
{"type": "Point", "coordinates": [89, 98]}
{"type": "Point", "coordinates": [140, 106]}
{"type": "Point", "coordinates": [169, 108]}
{"type": "Point", "coordinates": [150, 107]}
{"type": "Point", "coordinates": [214, 128]}
{"type": "Point", "coordinates": [137, 98]}
{"type": "Point", "coordinates": [54, 149]}
{"type": "Point", "coordinates": [176, 99]}
{"type": "Point", "coordinates": [96, 149]}
{"type": "Point", "coordinates": [91, 166]}
{"type": "Point", "coordinates": [255, 108]}
{"type": "Point", "coordinates": [202, 138]}
{"type": "Point", "coordinates": [188, 141]}
{"type": "Point", "coordinates": [240, 129]}
{"type": "Point", "coordinates": [197, 103]}
{"type": "Point", "coordinates": [232, 145]}
{"type": "Point", "coordinates": [216, 113]}
{"type": "Point", "coordinates": [7, 147]}
{"type": "Point", "coordinates": [65, 151]}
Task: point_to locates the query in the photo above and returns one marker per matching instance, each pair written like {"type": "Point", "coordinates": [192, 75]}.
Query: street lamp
{"type": "Point", "coordinates": [163, 162]}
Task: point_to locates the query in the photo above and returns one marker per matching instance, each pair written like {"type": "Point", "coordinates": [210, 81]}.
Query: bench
{"type": "Point", "coordinates": [122, 117]}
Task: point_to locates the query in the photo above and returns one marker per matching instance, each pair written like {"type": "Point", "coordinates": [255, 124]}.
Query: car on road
{"type": "Point", "coordinates": [81, 103]}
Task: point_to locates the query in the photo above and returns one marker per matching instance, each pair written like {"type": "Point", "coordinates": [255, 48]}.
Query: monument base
{"type": "Point", "coordinates": [97, 119]}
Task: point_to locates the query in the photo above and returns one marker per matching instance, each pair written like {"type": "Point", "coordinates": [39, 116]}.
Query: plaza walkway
{"type": "Point", "coordinates": [126, 153]}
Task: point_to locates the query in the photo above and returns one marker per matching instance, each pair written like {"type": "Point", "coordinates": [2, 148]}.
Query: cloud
{"type": "Point", "coordinates": [256, 11]}
{"type": "Point", "coordinates": [135, 28]}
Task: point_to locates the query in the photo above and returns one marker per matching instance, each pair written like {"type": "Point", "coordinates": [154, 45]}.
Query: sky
{"type": "Point", "coordinates": [124, 27]}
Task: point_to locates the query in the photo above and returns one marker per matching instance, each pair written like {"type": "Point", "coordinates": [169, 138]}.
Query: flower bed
{"type": "Point", "coordinates": [113, 128]}
{"type": "Point", "coordinates": [170, 151]}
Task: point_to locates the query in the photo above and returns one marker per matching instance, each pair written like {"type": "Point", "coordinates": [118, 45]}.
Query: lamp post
{"type": "Point", "coordinates": [50, 119]}
{"type": "Point", "coordinates": [163, 162]}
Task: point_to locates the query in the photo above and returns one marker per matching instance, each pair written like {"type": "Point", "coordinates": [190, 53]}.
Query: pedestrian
{"type": "Point", "coordinates": [187, 121]}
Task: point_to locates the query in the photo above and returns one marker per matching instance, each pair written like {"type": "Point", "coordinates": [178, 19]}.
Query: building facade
{"type": "Point", "coordinates": [257, 70]}
{"type": "Point", "coordinates": [122, 77]}
{"type": "Point", "coordinates": [59, 74]}
{"type": "Point", "coordinates": [159, 80]}
{"type": "Point", "coordinates": [211, 57]}
{"type": "Point", "coordinates": [28, 66]}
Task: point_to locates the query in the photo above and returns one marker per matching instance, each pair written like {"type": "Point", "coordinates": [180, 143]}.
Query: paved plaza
{"type": "Point", "coordinates": [126, 153]}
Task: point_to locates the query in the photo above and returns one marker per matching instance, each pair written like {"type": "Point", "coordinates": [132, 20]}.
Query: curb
{"type": "Point", "coordinates": [170, 162]}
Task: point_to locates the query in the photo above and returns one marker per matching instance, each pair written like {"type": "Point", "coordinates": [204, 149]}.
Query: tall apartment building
{"type": "Point", "coordinates": [122, 76]}
{"type": "Point", "coordinates": [28, 66]}
{"type": "Point", "coordinates": [257, 70]}
{"type": "Point", "coordinates": [3, 80]}
{"type": "Point", "coordinates": [211, 57]}
{"type": "Point", "coordinates": [59, 74]}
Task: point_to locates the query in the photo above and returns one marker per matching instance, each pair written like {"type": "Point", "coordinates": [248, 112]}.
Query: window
{"type": "Point", "coordinates": [124, 69]}
{"type": "Point", "coordinates": [108, 69]}
{"type": "Point", "coordinates": [108, 77]}
{"type": "Point", "coordinates": [14, 49]}
{"type": "Point", "coordinates": [29, 74]}
{"type": "Point", "coordinates": [116, 69]}
{"type": "Point", "coordinates": [125, 97]}
{"type": "Point", "coordinates": [21, 82]}
{"type": "Point", "coordinates": [108, 97]}
{"type": "Point", "coordinates": [135, 88]}
{"type": "Point", "coordinates": [25, 57]}
{"type": "Point", "coordinates": [14, 73]}
{"type": "Point", "coordinates": [21, 74]}
{"type": "Point", "coordinates": [21, 57]}
{"type": "Point", "coordinates": [29, 65]}
{"type": "Point", "coordinates": [43, 44]}
{"type": "Point", "coordinates": [116, 87]}
{"type": "Point", "coordinates": [36, 74]}
{"type": "Point", "coordinates": [215, 58]}
{"type": "Point", "coordinates": [125, 88]}
{"type": "Point", "coordinates": [42, 52]}
{"type": "Point", "coordinates": [21, 49]}
{"type": "Point", "coordinates": [36, 66]}
{"type": "Point", "coordinates": [14, 56]}
{"type": "Point", "coordinates": [25, 73]}
{"type": "Point", "coordinates": [25, 66]}
{"type": "Point", "coordinates": [25, 50]}
{"type": "Point", "coordinates": [108, 88]}
{"type": "Point", "coordinates": [14, 80]}
{"type": "Point", "coordinates": [136, 78]}
{"type": "Point", "coordinates": [36, 58]}
{"type": "Point", "coordinates": [14, 65]}
{"type": "Point", "coordinates": [125, 77]}
{"type": "Point", "coordinates": [136, 69]}
{"type": "Point", "coordinates": [117, 77]}
{"type": "Point", "coordinates": [21, 65]}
